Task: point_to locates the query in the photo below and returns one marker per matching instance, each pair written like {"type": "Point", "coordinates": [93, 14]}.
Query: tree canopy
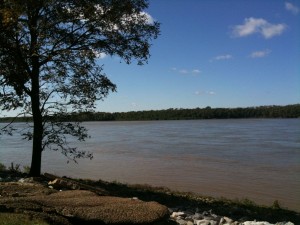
{"type": "Point", "coordinates": [49, 66]}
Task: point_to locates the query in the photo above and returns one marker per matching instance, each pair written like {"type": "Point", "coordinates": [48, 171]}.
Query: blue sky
{"type": "Point", "coordinates": [217, 53]}
{"type": "Point", "coordinates": [234, 53]}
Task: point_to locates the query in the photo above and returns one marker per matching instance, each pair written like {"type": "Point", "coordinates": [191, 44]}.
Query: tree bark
{"type": "Point", "coordinates": [37, 149]}
{"type": "Point", "coordinates": [35, 169]}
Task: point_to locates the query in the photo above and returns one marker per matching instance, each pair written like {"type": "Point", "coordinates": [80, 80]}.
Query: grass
{"type": "Point", "coordinates": [17, 219]}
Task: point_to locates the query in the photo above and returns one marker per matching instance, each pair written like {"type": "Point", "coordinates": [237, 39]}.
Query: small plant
{"type": "Point", "coordinates": [14, 168]}
{"type": "Point", "coordinates": [16, 219]}
{"type": "Point", "coordinates": [2, 167]}
{"type": "Point", "coordinates": [276, 205]}
{"type": "Point", "coordinates": [248, 202]}
{"type": "Point", "coordinates": [26, 169]}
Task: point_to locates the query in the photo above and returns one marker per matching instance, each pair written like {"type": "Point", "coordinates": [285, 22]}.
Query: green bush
{"type": "Point", "coordinates": [2, 167]}
{"type": "Point", "coordinates": [17, 219]}
{"type": "Point", "coordinates": [26, 169]}
{"type": "Point", "coordinates": [14, 167]}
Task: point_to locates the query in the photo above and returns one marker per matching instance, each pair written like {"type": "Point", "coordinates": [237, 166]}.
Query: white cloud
{"type": "Point", "coordinates": [199, 92]}
{"type": "Point", "coordinates": [149, 18]}
{"type": "Point", "coordinates": [250, 26]}
{"type": "Point", "coordinates": [185, 71]}
{"type": "Point", "coordinates": [221, 57]}
{"type": "Point", "coordinates": [260, 54]}
{"type": "Point", "coordinates": [99, 55]}
{"type": "Point", "coordinates": [272, 30]}
{"type": "Point", "coordinates": [292, 8]}
{"type": "Point", "coordinates": [205, 93]}
{"type": "Point", "coordinates": [146, 17]}
{"type": "Point", "coordinates": [196, 71]}
{"type": "Point", "coordinates": [253, 25]}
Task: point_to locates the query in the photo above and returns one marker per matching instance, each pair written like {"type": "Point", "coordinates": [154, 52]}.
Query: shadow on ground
{"type": "Point", "coordinates": [235, 209]}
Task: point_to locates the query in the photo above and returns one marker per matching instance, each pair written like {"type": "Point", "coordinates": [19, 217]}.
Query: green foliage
{"type": "Point", "coordinates": [26, 169]}
{"type": "Point", "coordinates": [17, 219]}
{"type": "Point", "coordinates": [15, 168]}
{"type": "Point", "coordinates": [289, 111]}
{"type": "Point", "coordinates": [276, 205]}
{"type": "Point", "coordinates": [49, 53]}
{"type": "Point", "coordinates": [2, 167]}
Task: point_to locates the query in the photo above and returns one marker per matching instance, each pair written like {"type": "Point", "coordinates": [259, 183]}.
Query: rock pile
{"type": "Point", "coordinates": [209, 218]}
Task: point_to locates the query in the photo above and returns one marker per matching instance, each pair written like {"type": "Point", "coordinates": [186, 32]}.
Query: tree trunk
{"type": "Point", "coordinates": [38, 129]}
{"type": "Point", "coordinates": [35, 169]}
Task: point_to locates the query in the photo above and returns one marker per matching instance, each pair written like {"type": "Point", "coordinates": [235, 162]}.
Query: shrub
{"type": "Point", "coordinates": [14, 167]}
{"type": "Point", "coordinates": [2, 167]}
{"type": "Point", "coordinates": [26, 169]}
{"type": "Point", "coordinates": [17, 219]}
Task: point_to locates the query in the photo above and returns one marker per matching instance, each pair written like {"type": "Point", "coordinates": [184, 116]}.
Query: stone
{"type": "Point", "coordinates": [28, 180]}
{"type": "Point", "coordinates": [205, 222]}
{"type": "Point", "coordinates": [63, 184]}
{"type": "Point", "coordinates": [22, 180]}
{"type": "Point", "coordinates": [256, 223]}
{"type": "Point", "coordinates": [177, 214]}
{"type": "Point", "coordinates": [197, 216]}
{"type": "Point", "coordinates": [228, 220]}
{"type": "Point", "coordinates": [181, 222]}
{"type": "Point", "coordinates": [222, 221]}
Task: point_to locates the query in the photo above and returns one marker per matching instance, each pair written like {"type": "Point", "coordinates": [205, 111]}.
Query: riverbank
{"type": "Point", "coordinates": [184, 208]}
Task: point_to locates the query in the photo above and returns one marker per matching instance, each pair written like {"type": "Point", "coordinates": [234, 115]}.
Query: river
{"type": "Point", "coordinates": [258, 159]}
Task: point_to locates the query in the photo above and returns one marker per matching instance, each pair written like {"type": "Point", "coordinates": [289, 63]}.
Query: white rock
{"type": "Point", "coordinates": [205, 222]}
{"type": "Point", "coordinates": [176, 214]}
{"type": "Point", "coordinates": [181, 222]}
{"type": "Point", "coordinates": [225, 221]}
{"type": "Point", "coordinates": [256, 223]}
{"type": "Point", "coordinates": [228, 220]}
{"type": "Point", "coordinates": [284, 223]}
{"type": "Point", "coordinates": [198, 216]}
{"type": "Point", "coordinates": [22, 180]}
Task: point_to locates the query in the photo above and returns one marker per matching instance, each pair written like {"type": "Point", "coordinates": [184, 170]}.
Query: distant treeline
{"type": "Point", "coordinates": [289, 111]}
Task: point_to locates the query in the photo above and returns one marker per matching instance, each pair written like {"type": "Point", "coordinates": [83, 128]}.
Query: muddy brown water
{"type": "Point", "coordinates": [258, 159]}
